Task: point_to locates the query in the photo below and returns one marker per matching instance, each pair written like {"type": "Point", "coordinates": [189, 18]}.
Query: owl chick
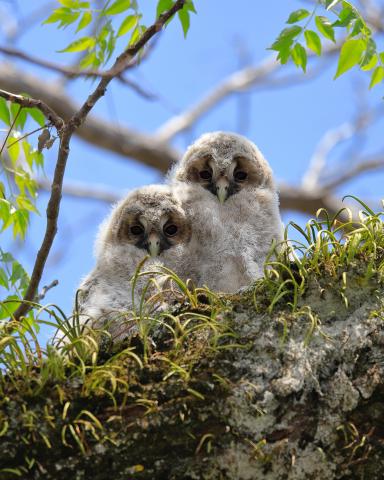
{"type": "Point", "coordinates": [148, 221]}
{"type": "Point", "coordinates": [227, 187]}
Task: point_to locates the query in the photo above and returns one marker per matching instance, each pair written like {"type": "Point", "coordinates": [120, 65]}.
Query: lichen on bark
{"type": "Point", "coordinates": [281, 381]}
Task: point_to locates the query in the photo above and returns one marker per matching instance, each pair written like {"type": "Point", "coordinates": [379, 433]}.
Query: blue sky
{"type": "Point", "coordinates": [286, 123]}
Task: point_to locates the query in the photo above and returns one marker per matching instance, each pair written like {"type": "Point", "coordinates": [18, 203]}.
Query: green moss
{"type": "Point", "coordinates": [154, 405]}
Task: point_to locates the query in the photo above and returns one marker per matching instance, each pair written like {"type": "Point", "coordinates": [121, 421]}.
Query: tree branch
{"type": "Point", "coordinates": [71, 72]}
{"type": "Point", "coordinates": [82, 190]}
{"type": "Point", "coordinates": [147, 149]}
{"type": "Point", "coordinates": [364, 166]}
{"type": "Point", "coordinates": [237, 82]}
{"type": "Point", "coordinates": [66, 133]}
{"type": "Point", "coordinates": [28, 102]}
{"type": "Point", "coordinates": [292, 197]}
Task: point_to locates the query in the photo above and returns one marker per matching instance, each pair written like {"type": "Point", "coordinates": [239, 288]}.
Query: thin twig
{"type": "Point", "coordinates": [28, 134]}
{"type": "Point", "coordinates": [10, 130]}
{"type": "Point", "coordinates": [66, 133]}
{"type": "Point", "coordinates": [45, 289]}
{"type": "Point", "coordinates": [33, 103]}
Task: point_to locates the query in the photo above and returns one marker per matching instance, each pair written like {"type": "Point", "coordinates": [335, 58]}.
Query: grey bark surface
{"type": "Point", "coordinates": [287, 398]}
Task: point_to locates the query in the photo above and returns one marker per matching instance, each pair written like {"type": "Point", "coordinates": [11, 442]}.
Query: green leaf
{"type": "Point", "coordinates": [190, 6]}
{"type": "Point", "coordinates": [350, 55]}
{"type": "Point", "coordinates": [64, 16]}
{"type": "Point", "coordinates": [135, 35]}
{"type": "Point", "coordinates": [286, 37]}
{"type": "Point", "coordinates": [369, 54]}
{"type": "Point", "coordinates": [331, 3]}
{"type": "Point", "coordinates": [371, 64]}
{"type": "Point", "coordinates": [325, 28]}
{"type": "Point", "coordinates": [184, 20]}
{"type": "Point", "coordinates": [118, 6]}
{"type": "Point", "coordinates": [346, 16]}
{"type": "Point", "coordinates": [313, 41]}
{"type": "Point", "coordinates": [4, 112]}
{"type": "Point", "coordinates": [37, 115]}
{"type": "Point", "coordinates": [298, 15]}
{"type": "Point", "coordinates": [84, 43]}
{"type": "Point", "coordinates": [299, 56]}
{"type": "Point", "coordinates": [3, 279]}
{"type": "Point", "coordinates": [377, 76]}
{"type": "Point", "coordinates": [20, 113]}
{"type": "Point", "coordinates": [14, 150]}
{"type": "Point", "coordinates": [86, 19]}
{"type": "Point", "coordinates": [89, 60]}
{"type": "Point", "coordinates": [127, 24]}
{"type": "Point", "coordinates": [69, 3]}
{"type": "Point", "coordinates": [162, 6]}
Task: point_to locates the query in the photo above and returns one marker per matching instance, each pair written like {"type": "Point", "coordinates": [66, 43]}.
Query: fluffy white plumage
{"type": "Point", "coordinates": [149, 220]}
{"type": "Point", "coordinates": [226, 186]}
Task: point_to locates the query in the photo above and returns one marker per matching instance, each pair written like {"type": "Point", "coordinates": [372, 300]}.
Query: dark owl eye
{"type": "Point", "coordinates": [240, 175]}
{"type": "Point", "coordinates": [205, 174]}
{"type": "Point", "coordinates": [136, 229]}
{"type": "Point", "coordinates": [170, 230]}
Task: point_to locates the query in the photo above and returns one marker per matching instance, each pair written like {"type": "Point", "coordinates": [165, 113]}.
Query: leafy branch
{"type": "Point", "coordinates": [358, 48]}
{"type": "Point", "coordinates": [65, 132]}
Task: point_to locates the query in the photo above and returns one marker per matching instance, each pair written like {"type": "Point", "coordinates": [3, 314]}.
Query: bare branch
{"type": "Point", "coordinates": [71, 72]}
{"type": "Point", "coordinates": [363, 166]}
{"type": "Point", "coordinates": [237, 82]}
{"type": "Point", "coordinates": [301, 200]}
{"type": "Point", "coordinates": [147, 149]}
{"type": "Point", "coordinates": [66, 133]}
{"type": "Point", "coordinates": [291, 197]}
{"type": "Point", "coordinates": [28, 102]}
{"type": "Point", "coordinates": [331, 139]}
{"type": "Point", "coordinates": [82, 190]}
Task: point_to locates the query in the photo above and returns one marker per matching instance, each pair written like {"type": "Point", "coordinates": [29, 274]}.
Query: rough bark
{"type": "Point", "coordinates": [287, 395]}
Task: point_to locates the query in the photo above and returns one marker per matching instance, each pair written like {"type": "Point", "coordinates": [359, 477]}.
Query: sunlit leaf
{"type": "Point", "coordinates": [84, 43]}
{"type": "Point", "coordinates": [64, 16]}
{"type": "Point", "coordinates": [118, 6]}
{"type": "Point", "coordinates": [19, 114]}
{"type": "Point", "coordinates": [331, 3]}
{"type": "Point", "coordinates": [377, 76]}
{"type": "Point", "coordinates": [299, 56]}
{"type": "Point", "coordinates": [184, 20]}
{"type": "Point", "coordinates": [13, 147]}
{"type": "Point", "coordinates": [127, 24]}
{"type": "Point", "coordinates": [86, 19]}
{"type": "Point", "coordinates": [313, 41]}
{"type": "Point", "coordinates": [37, 115]}
{"type": "Point", "coordinates": [325, 28]}
{"type": "Point", "coordinates": [162, 6]}
{"type": "Point", "coordinates": [350, 55]}
{"type": "Point", "coordinates": [298, 15]}
{"type": "Point", "coordinates": [4, 112]}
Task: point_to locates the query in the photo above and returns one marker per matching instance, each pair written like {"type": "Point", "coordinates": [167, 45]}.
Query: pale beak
{"type": "Point", "coordinates": [153, 244]}
{"type": "Point", "coordinates": [222, 186]}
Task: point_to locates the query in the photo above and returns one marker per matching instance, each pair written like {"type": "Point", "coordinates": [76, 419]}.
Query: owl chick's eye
{"type": "Point", "coordinates": [170, 230]}
{"type": "Point", "coordinates": [240, 175]}
{"type": "Point", "coordinates": [137, 229]}
{"type": "Point", "coordinates": [205, 174]}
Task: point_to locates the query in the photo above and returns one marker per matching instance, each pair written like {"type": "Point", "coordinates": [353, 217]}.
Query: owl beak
{"type": "Point", "coordinates": [222, 187]}
{"type": "Point", "coordinates": [153, 244]}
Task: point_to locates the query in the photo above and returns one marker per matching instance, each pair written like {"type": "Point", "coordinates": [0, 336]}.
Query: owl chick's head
{"type": "Point", "coordinates": [151, 219]}
{"type": "Point", "coordinates": [224, 163]}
